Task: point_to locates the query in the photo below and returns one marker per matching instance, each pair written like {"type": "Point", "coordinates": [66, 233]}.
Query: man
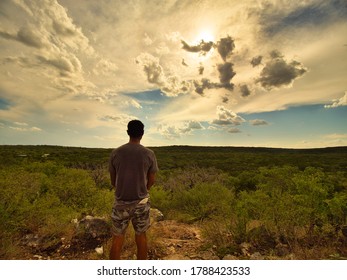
{"type": "Point", "coordinates": [132, 169]}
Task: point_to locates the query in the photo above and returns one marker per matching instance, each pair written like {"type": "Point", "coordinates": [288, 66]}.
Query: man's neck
{"type": "Point", "coordinates": [134, 140]}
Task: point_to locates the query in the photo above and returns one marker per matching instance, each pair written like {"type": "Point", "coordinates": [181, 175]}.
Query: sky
{"type": "Point", "coordinates": [265, 73]}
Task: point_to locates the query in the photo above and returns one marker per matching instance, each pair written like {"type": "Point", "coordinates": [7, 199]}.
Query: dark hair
{"type": "Point", "coordinates": [135, 128]}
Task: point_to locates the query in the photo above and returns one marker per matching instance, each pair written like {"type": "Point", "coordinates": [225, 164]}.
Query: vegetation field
{"type": "Point", "coordinates": [279, 203]}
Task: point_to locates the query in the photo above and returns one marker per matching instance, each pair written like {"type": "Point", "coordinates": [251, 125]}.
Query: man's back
{"type": "Point", "coordinates": [130, 164]}
{"type": "Point", "coordinates": [132, 169]}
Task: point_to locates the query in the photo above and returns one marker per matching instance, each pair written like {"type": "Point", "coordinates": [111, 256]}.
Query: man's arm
{"type": "Point", "coordinates": [150, 180]}
{"type": "Point", "coordinates": [112, 171]}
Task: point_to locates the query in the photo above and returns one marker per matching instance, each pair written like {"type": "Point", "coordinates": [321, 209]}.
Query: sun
{"type": "Point", "coordinates": [205, 35]}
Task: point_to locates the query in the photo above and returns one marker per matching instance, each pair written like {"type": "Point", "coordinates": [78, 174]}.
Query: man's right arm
{"type": "Point", "coordinates": [150, 180]}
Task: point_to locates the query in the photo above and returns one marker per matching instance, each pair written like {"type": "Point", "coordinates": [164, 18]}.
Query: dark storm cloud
{"type": "Point", "coordinates": [225, 99]}
{"type": "Point", "coordinates": [278, 72]}
{"type": "Point", "coordinates": [200, 86]}
{"type": "Point", "coordinates": [276, 54]}
{"type": "Point", "coordinates": [245, 90]}
{"type": "Point", "coordinates": [256, 60]}
{"type": "Point", "coordinates": [225, 47]}
{"type": "Point", "coordinates": [201, 69]}
{"type": "Point", "coordinates": [234, 130]}
{"type": "Point", "coordinates": [184, 63]}
{"type": "Point", "coordinates": [202, 48]}
{"type": "Point", "coordinates": [226, 73]}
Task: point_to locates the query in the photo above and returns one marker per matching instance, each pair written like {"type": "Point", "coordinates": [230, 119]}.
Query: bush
{"type": "Point", "coordinates": [203, 201]}
{"type": "Point", "coordinates": [291, 204]}
{"type": "Point", "coordinates": [42, 198]}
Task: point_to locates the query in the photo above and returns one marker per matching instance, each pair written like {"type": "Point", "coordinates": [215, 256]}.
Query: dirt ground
{"type": "Point", "coordinates": [167, 240]}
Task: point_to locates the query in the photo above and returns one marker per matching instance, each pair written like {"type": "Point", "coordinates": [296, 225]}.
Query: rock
{"type": "Point", "coordinates": [230, 257]}
{"type": "Point", "coordinates": [32, 240]}
{"type": "Point", "coordinates": [39, 257]}
{"type": "Point", "coordinates": [257, 256]}
{"type": "Point", "coordinates": [99, 250]}
{"type": "Point", "coordinates": [156, 215]}
{"type": "Point", "coordinates": [245, 248]}
{"type": "Point", "coordinates": [94, 227]}
{"type": "Point", "coordinates": [176, 257]}
{"type": "Point", "coordinates": [291, 257]}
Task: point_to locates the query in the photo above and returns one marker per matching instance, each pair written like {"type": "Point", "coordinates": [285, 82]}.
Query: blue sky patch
{"type": "Point", "coordinates": [4, 104]}
{"type": "Point", "coordinates": [315, 14]}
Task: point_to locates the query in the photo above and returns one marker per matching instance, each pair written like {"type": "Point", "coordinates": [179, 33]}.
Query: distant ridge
{"type": "Point", "coordinates": [337, 148]}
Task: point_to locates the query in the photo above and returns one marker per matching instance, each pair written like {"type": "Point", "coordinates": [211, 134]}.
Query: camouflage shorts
{"type": "Point", "coordinates": [138, 214]}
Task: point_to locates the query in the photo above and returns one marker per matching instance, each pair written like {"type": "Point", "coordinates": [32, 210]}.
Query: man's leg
{"type": "Point", "coordinates": [116, 248]}
{"type": "Point", "coordinates": [141, 243]}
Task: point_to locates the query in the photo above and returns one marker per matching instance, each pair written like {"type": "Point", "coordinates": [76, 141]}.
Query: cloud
{"type": "Point", "coordinates": [258, 122]}
{"type": "Point", "coordinates": [201, 69]}
{"type": "Point", "coordinates": [227, 117]}
{"type": "Point", "coordinates": [338, 102]}
{"type": "Point", "coordinates": [256, 60]}
{"type": "Point", "coordinates": [184, 63]}
{"type": "Point", "coordinates": [105, 67]}
{"type": "Point", "coordinates": [26, 129]}
{"type": "Point", "coordinates": [226, 73]}
{"type": "Point", "coordinates": [170, 85]}
{"type": "Point", "coordinates": [21, 123]}
{"type": "Point", "coordinates": [67, 63]}
{"type": "Point", "coordinates": [203, 48]}
{"type": "Point", "coordinates": [278, 72]}
{"type": "Point", "coordinates": [26, 36]}
{"type": "Point", "coordinates": [203, 84]}
{"type": "Point", "coordinates": [234, 130]}
{"type": "Point", "coordinates": [59, 45]}
{"type": "Point", "coordinates": [245, 91]}
{"type": "Point", "coordinates": [120, 118]}
{"type": "Point", "coordinates": [176, 131]}
{"type": "Point", "coordinates": [191, 125]}
{"type": "Point", "coordinates": [225, 47]}
{"type": "Point", "coordinates": [225, 99]}
{"type": "Point", "coordinates": [133, 103]}
{"type": "Point", "coordinates": [147, 40]}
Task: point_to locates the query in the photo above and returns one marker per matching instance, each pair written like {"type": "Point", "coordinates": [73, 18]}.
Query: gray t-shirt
{"type": "Point", "coordinates": [130, 164]}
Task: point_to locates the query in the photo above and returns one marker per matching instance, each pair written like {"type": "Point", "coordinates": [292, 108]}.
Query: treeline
{"type": "Point", "coordinates": [230, 159]}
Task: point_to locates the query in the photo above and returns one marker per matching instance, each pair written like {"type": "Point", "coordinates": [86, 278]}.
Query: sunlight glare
{"type": "Point", "coordinates": [205, 35]}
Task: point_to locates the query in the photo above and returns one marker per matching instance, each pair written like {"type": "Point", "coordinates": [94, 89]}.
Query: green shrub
{"type": "Point", "coordinates": [203, 201]}
{"type": "Point", "coordinates": [291, 204]}
{"type": "Point", "coordinates": [42, 198]}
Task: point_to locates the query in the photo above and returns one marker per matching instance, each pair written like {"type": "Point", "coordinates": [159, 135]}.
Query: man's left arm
{"type": "Point", "coordinates": [112, 171]}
